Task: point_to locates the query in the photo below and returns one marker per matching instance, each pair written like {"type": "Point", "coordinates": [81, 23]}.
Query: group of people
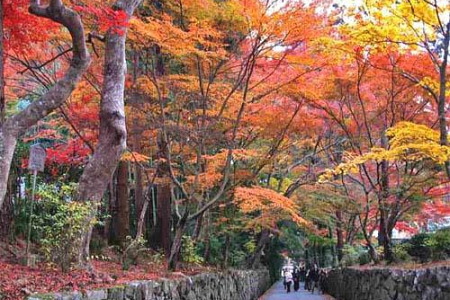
{"type": "Point", "coordinates": [312, 276]}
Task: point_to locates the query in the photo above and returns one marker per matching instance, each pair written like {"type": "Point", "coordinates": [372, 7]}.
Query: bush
{"type": "Point", "coordinates": [189, 252]}
{"type": "Point", "coordinates": [350, 255]}
{"type": "Point", "coordinates": [439, 243]}
{"type": "Point", "coordinates": [418, 247]}
{"type": "Point", "coordinates": [60, 225]}
{"type": "Point", "coordinates": [130, 251]}
{"type": "Point", "coordinates": [401, 252]}
{"type": "Point", "coordinates": [364, 258]}
{"type": "Point", "coordinates": [354, 255]}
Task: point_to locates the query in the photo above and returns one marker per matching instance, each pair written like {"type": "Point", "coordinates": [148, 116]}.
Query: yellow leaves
{"type": "Point", "coordinates": [269, 204]}
{"type": "Point", "coordinates": [282, 184]}
{"type": "Point", "coordinates": [404, 22]}
{"type": "Point", "coordinates": [404, 133]}
{"type": "Point", "coordinates": [408, 142]}
{"type": "Point", "coordinates": [433, 84]}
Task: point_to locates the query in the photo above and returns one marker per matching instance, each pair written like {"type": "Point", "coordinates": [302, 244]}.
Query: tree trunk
{"type": "Point", "coordinates": [373, 253]}
{"type": "Point", "coordinates": [140, 227]}
{"type": "Point", "coordinates": [2, 70]}
{"type": "Point", "coordinates": [442, 94]}
{"type": "Point", "coordinates": [123, 208]}
{"type": "Point", "coordinates": [207, 252]}
{"type": "Point", "coordinates": [7, 214]}
{"type": "Point", "coordinates": [16, 125]}
{"type": "Point", "coordinates": [339, 236]}
{"type": "Point", "coordinates": [176, 244]}
{"type": "Point", "coordinates": [198, 227]}
{"type": "Point", "coordinates": [164, 215]}
{"type": "Point", "coordinates": [113, 134]}
{"type": "Point", "coordinates": [139, 184]}
{"type": "Point", "coordinates": [383, 235]}
{"type": "Point", "coordinates": [108, 223]}
{"type": "Point", "coordinates": [226, 252]}
{"type": "Point", "coordinates": [255, 259]}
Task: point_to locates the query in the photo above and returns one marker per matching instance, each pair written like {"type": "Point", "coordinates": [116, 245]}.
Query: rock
{"type": "Point", "coordinates": [388, 284]}
{"type": "Point", "coordinates": [230, 285]}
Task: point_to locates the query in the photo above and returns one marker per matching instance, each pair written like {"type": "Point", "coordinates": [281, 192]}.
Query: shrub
{"type": "Point", "coordinates": [131, 250]}
{"type": "Point", "coordinates": [350, 255]}
{"type": "Point", "coordinates": [418, 247]}
{"type": "Point", "coordinates": [189, 251]}
{"type": "Point", "coordinates": [401, 252]}
{"type": "Point", "coordinates": [60, 224]}
{"type": "Point", "coordinates": [364, 258]}
{"type": "Point", "coordinates": [250, 247]}
{"type": "Point", "coordinates": [439, 243]}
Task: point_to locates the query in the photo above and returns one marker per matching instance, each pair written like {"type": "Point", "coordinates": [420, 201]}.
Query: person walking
{"type": "Point", "coordinates": [283, 273]}
{"type": "Point", "coordinates": [314, 274]}
{"type": "Point", "coordinates": [296, 279]}
{"type": "Point", "coordinates": [288, 276]}
{"type": "Point", "coordinates": [307, 279]}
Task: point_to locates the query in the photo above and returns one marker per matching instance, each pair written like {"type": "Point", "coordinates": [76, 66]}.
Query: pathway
{"type": "Point", "coordinates": [277, 292]}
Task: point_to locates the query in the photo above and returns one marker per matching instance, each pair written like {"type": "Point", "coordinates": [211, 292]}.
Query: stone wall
{"type": "Point", "coordinates": [389, 284]}
{"type": "Point", "coordinates": [230, 285]}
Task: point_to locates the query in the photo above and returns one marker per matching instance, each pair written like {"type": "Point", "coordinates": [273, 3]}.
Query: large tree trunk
{"type": "Point", "coordinates": [7, 213]}
{"type": "Point", "coordinates": [123, 208]}
{"type": "Point", "coordinates": [112, 135]}
{"type": "Point", "coordinates": [2, 70]}
{"type": "Point", "coordinates": [164, 215]}
{"type": "Point", "coordinates": [161, 232]}
{"type": "Point", "coordinates": [16, 125]}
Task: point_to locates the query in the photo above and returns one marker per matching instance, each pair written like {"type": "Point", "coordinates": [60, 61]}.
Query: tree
{"type": "Point", "coordinates": [411, 146]}
{"type": "Point", "coordinates": [265, 208]}
{"type": "Point", "coordinates": [412, 26]}
{"type": "Point", "coordinates": [113, 134]}
{"type": "Point", "coordinates": [16, 125]}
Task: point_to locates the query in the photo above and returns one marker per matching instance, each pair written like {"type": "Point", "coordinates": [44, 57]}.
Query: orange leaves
{"type": "Point", "coordinates": [134, 157]}
{"type": "Point", "coordinates": [212, 169]}
{"type": "Point", "coordinates": [198, 39]}
{"type": "Point", "coordinates": [269, 205]}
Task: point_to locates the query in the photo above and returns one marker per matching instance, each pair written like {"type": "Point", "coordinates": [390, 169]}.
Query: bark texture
{"type": "Point", "coordinates": [2, 72]}
{"type": "Point", "coordinates": [113, 135]}
{"type": "Point", "coordinates": [161, 232]}
{"type": "Point", "coordinates": [442, 94]}
{"type": "Point", "coordinates": [16, 125]}
{"type": "Point", "coordinates": [123, 206]}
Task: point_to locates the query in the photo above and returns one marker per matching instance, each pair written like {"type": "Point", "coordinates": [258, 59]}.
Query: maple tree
{"type": "Point", "coordinates": [17, 124]}
{"type": "Point", "coordinates": [411, 26]}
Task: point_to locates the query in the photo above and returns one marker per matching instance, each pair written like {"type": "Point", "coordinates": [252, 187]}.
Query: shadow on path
{"type": "Point", "coordinates": [277, 292]}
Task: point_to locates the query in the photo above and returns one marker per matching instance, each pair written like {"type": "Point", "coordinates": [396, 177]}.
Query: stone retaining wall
{"type": "Point", "coordinates": [230, 285]}
{"type": "Point", "coordinates": [389, 284]}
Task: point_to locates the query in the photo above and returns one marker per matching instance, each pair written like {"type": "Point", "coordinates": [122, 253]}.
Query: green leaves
{"type": "Point", "coordinates": [60, 223]}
